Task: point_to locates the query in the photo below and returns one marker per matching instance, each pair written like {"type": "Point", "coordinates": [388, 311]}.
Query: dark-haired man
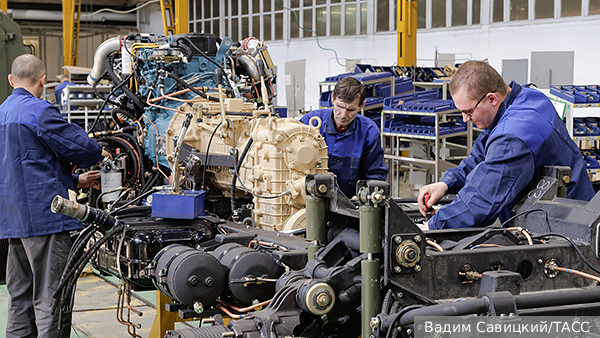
{"type": "Point", "coordinates": [37, 147]}
{"type": "Point", "coordinates": [353, 141]}
{"type": "Point", "coordinates": [522, 133]}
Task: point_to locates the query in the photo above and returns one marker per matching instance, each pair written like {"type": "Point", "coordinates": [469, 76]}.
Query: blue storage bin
{"type": "Point", "coordinates": [591, 162]}
{"type": "Point", "coordinates": [402, 85]}
{"type": "Point", "coordinates": [391, 103]}
{"type": "Point", "coordinates": [325, 100]}
{"type": "Point", "coordinates": [363, 68]}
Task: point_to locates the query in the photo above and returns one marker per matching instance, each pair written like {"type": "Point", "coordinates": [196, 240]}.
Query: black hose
{"type": "Point", "coordinates": [100, 96]}
{"type": "Point", "coordinates": [232, 113]}
{"type": "Point", "coordinates": [193, 45]}
{"type": "Point", "coordinates": [113, 90]}
{"type": "Point", "coordinates": [237, 170]}
{"type": "Point", "coordinates": [385, 306]}
{"type": "Point", "coordinates": [150, 183]}
{"type": "Point", "coordinates": [190, 87]}
{"type": "Point", "coordinates": [108, 64]}
{"type": "Point", "coordinates": [186, 49]}
{"type": "Point", "coordinates": [135, 143]}
{"type": "Point", "coordinates": [398, 315]}
{"type": "Point", "coordinates": [144, 195]}
{"type": "Point", "coordinates": [206, 157]}
{"type": "Point", "coordinates": [132, 152]}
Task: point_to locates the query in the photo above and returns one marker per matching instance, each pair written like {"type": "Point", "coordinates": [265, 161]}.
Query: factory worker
{"type": "Point", "coordinates": [353, 141]}
{"type": "Point", "coordinates": [37, 147]}
{"type": "Point", "coordinates": [521, 133]}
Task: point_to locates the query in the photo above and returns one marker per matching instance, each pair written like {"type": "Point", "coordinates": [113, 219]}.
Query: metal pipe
{"type": "Point", "coordinates": [316, 227]}
{"type": "Point", "coordinates": [370, 243]}
{"type": "Point", "coordinates": [102, 52]}
{"type": "Point", "coordinates": [34, 14]}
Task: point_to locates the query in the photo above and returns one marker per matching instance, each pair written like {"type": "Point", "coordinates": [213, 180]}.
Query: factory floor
{"type": "Point", "coordinates": [94, 313]}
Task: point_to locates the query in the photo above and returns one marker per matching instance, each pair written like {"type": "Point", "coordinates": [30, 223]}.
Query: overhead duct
{"type": "Point", "coordinates": [38, 15]}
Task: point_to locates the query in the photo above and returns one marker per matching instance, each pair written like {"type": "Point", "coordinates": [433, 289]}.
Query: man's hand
{"type": "Point", "coordinates": [424, 226]}
{"type": "Point", "coordinates": [90, 179]}
{"type": "Point", "coordinates": [106, 154]}
{"type": "Point", "coordinates": [435, 191]}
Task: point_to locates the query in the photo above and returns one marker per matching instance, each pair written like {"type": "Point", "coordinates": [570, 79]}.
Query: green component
{"type": "Point", "coordinates": [312, 249]}
{"type": "Point", "coordinates": [316, 227]}
{"type": "Point", "coordinates": [370, 301]}
{"type": "Point", "coordinates": [11, 46]}
{"type": "Point", "coordinates": [370, 229]}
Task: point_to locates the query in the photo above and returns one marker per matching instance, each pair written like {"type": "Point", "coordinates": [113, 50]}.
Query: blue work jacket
{"type": "Point", "coordinates": [525, 135]}
{"type": "Point", "coordinates": [355, 154]}
{"type": "Point", "coordinates": [37, 147]}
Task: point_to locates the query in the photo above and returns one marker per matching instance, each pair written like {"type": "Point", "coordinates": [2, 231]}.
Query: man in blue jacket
{"type": "Point", "coordinates": [521, 133]}
{"type": "Point", "coordinates": [353, 141]}
{"type": "Point", "coordinates": [37, 148]}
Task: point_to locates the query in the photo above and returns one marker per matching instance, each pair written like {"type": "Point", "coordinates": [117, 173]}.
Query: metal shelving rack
{"type": "Point", "coordinates": [568, 113]}
{"type": "Point", "coordinates": [438, 164]}
{"type": "Point", "coordinates": [391, 79]}
{"type": "Point", "coordinates": [90, 103]}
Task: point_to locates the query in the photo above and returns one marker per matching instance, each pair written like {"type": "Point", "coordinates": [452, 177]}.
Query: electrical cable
{"type": "Point", "coordinates": [527, 213]}
{"type": "Point", "coordinates": [138, 149]}
{"type": "Point", "coordinates": [193, 45]}
{"type": "Point", "coordinates": [237, 169]}
{"type": "Point", "coordinates": [104, 193]}
{"type": "Point", "coordinates": [115, 88]}
{"type": "Point", "coordinates": [190, 87]}
{"type": "Point", "coordinates": [124, 12]}
{"type": "Point", "coordinates": [311, 31]}
{"type": "Point", "coordinates": [144, 195]}
{"type": "Point", "coordinates": [574, 247]}
{"type": "Point", "coordinates": [398, 315]}
{"type": "Point", "coordinates": [108, 64]}
{"type": "Point", "coordinates": [207, 154]}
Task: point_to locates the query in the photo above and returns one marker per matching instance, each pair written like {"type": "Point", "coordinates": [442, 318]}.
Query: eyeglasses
{"type": "Point", "coordinates": [469, 112]}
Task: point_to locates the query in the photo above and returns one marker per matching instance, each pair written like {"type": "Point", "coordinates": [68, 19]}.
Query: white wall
{"type": "Point", "coordinates": [495, 42]}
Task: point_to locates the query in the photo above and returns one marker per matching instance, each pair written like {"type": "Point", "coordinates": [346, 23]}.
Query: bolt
{"type": "Point", "coordinates": [198, 307]}
{"type": "Point", "coordinates": [417, 238]}
{"type": "Point", "coordinates": [566, 179]}
{"type": "Point", "coordinates": [417, 268]}
{"type": "Point", "coordinates": [193, 280]}
{"type": "Point", "coordinates": [397, 239]}
{"type": "Point", "coordinates": [397, 269]}
{"type": "Point", "coordinates": [411, 255]}
{"type": "Point", "coordinates": [374, 322]}
{"type": "Point", "coordinates": [540, 261]}
{"type": "Point", "coordinates": [322, 188]}
{"type": "Point", "coordinates": [399, 295]}
{"type": "Point", "coordinates": [408, 331]}
{"type": "Point", "coordinates": [209, 281]}
{"type": "Point", "coordinates": [323, 299]}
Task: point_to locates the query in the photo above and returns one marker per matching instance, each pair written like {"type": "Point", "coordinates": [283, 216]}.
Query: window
{"type": "Point", "coordinates": [421, 11]}
{"type": "Point", "coordinates": [383, 15]}
{"type": "Point", "coordinates": [498, 13]}
{"type": "Point", "coordinates": [594, 7]}
{"type": "Point", "coordinates": [363, 18]}
{"type": "Point", "coordinates": [476, 12]}
{"type": "Point", "coordinates": [544, 9]}
{"type": "Point", "coordinates": [571, 8]}
{"type": "Point", "coordinates": [350, 19]}
{"type": "Point", "coordinates": [459, 12]}
{"type": "Point", "coordinates": [321, 20]}
{"type": "Point", "coordinates": [519, 10]}
{"type": "Point", "coordinates": [438, 13]}
{"type": "Point", "coordinates": [335, 20]}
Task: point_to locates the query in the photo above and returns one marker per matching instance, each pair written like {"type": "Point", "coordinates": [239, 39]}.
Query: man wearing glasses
{"type": "Point", "coordinates": [521, 133]}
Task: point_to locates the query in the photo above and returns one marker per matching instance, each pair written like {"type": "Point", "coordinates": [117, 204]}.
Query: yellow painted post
{"type": "Point", "coordinates": [407, 32]}
{"type": "Point", "coordinates": [164, 320]}
{"type": "Point", "coordinates": [4, 6]}
{"type": "Point", "coordinates": [181, 17]}
{"type": "Point", "coordinates": [68, 9]}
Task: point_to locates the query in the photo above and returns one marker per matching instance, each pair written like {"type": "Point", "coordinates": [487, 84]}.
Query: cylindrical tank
{"type": "Point", "coordinates": [244, 262]}
{"type": "Point", "coordinates": [189, 276]}
{"type": "Point", "coordinates": [111, 180]}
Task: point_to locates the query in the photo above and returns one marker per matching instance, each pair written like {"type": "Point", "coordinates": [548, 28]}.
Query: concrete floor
{"type": "Point", "coordinates": [94, 313]}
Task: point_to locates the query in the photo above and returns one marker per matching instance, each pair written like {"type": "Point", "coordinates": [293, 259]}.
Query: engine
{"type": "Point", "coordinates": [250, 162]}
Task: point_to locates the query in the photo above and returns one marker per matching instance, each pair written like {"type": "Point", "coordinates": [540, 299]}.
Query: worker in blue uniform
{"type": "Point", "coordinates": [521, 134]}
{"type": "Point", "coordinates": [37, 148]}
{"type": "Point", "coordinates": [64, 81]}
{"type": "Point", "coordinates": [353, 141]}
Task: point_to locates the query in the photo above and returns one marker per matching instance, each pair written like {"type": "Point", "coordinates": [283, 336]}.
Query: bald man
{"type": "Point", "coordinates": [37, 148]}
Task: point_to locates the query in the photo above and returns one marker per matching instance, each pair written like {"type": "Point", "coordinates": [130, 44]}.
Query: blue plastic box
{"type": "Point", "coordinates": [188, 205]}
